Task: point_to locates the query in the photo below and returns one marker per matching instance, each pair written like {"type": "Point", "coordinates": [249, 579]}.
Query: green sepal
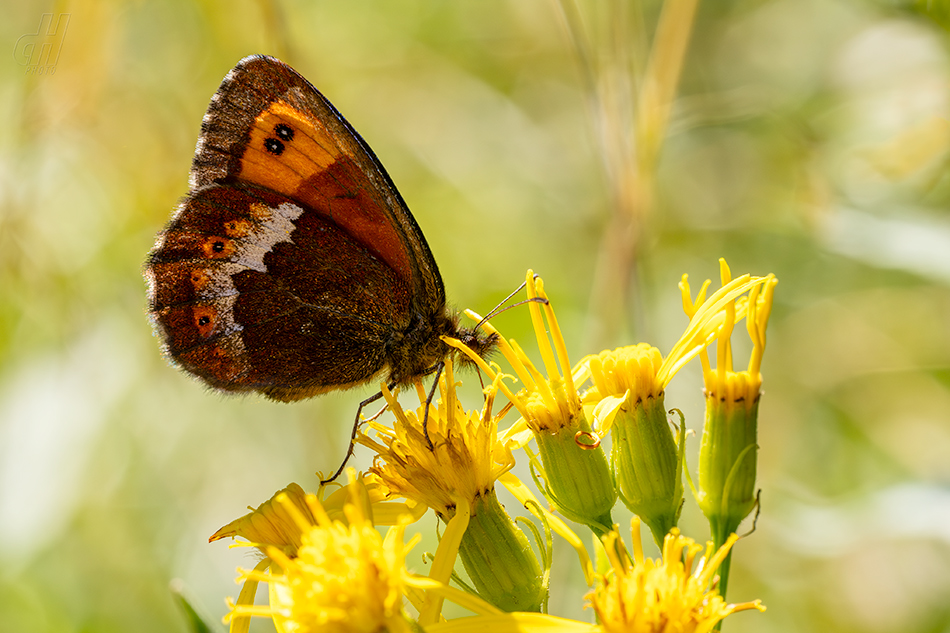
{"type": "Point", "coordinates": [727, 465]}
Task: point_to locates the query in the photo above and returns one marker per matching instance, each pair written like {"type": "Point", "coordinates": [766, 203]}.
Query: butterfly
{"type": "Point", "coordinates": [293, 266]}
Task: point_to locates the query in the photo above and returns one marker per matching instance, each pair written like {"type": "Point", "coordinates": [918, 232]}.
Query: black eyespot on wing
{"type": "Point", "coordinates": [274, 146]}
{"type": "Point", "coordinates": [284, 132]}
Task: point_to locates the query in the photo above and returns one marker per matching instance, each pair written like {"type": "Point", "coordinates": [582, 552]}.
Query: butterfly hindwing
{"type": "Point", "coordinates": [229, 317]}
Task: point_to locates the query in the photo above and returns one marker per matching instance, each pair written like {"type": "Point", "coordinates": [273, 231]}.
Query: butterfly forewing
{"type": "Point", "coordinates": [294, 141]}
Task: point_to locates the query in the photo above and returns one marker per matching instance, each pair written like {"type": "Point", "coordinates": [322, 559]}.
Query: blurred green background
{"type": "Point", "coordinates": [809, 138]}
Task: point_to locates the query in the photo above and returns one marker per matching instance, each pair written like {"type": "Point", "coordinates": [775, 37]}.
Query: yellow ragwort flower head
{"type": "Point", "coordinates": [573, 467]}
{"type": "Point", "coordinates": [463, 461]}
{"type": "Point", "coordinates": [634, 368]}
{"type": "Point", "coordinates": [549, 401]}
{"type": "Point", "coordinates": [644, 452]}
{"type": "Point", "coordinates": [664, 595]}
{"type": "Point", "coordinates": [722, 383]}
{"type": "Point", "coordinates": [345, 577]}
{"type": "Point", "coordinates": [455, 475]}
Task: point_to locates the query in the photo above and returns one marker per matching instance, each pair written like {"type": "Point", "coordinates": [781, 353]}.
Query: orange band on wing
{"type": "Point", "coordinates": [311, 151]}
{"type": "Point", "coordinates": [293, 155]}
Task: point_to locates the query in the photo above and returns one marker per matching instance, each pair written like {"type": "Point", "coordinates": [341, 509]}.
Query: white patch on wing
{"type": "Point", "coordinates": [272, 227]}
{"type": "Point", "coordinates": [218, 281]}
{"type": "Point", "coordinates": [151, 284]}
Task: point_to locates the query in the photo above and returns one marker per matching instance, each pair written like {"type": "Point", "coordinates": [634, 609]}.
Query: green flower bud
{"type": "Point", "coordinates": [578, 478]}
{"type": "Point", "coordinates": [499, 559]}
{"type": "Point", "coordinates": [627, 398]}
{"type": "Point", "coordinates": [727, 457]}
{"type": "Point", "coordinates": [647, 463]}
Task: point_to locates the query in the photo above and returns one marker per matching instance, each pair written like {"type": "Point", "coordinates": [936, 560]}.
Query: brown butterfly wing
{"type": "Point", "coordinates": [326, 165]}
{"type": "Point", "coordinates": [241, 303]}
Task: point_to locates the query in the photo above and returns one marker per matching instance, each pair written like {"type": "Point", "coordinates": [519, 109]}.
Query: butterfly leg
{"type": "Point", "coordinates": [425, 417]}
{"type": "Point", "coordinates": [356, 427]}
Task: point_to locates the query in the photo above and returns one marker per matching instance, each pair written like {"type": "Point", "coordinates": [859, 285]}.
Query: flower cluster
{"type": "Point", "coordinates": [592, 433]}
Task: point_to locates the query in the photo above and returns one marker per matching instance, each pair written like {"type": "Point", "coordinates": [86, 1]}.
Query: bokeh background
{"type": "Point", "coordinates": [808, 138]}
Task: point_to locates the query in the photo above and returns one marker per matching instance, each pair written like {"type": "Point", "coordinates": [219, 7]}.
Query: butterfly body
{"type": "Point", "coordinates": [293, 266]}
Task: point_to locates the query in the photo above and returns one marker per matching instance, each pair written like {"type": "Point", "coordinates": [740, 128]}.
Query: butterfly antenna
{"type": "Point", "coordinates": [356, 427]}
{"type": "Point", "coordinates": [501, 307]}
{"type": "Point", "coordinates": [509, 297]}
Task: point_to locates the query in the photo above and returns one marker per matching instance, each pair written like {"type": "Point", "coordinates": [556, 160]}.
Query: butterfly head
{"type": "Point", "coordinates": [479, 341]}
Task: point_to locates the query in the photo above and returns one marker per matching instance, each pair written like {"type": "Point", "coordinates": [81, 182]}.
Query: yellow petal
{"type": "Point", "coordinates": [462, 598]}
{"type": "Point", "coordinates": [241, 623]}
{"type": "Point", "coordinates": [605, 411]}
{"type": "Point", "coordinates": [512, 623]}
{"type": "Point", "coordinates": [445, 557]}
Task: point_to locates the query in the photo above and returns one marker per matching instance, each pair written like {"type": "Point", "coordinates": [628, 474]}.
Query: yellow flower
{"type": "Point", "coordinates": [343, 577]}
{"type": "Point", "coordinates": [455, 475]}
{"type": "Point", "coordinates": [270, 525]}
{"type": "Point", "coordinates": [280, 525]}
{"type": "Point", "coordinates": [463, 462]}
{"type": "Point", "coordinates": [723, 383]}
{"type": "Point", "coordinates": [573, 468]}
{"type": "Point", "coordinates": [628, 398]}
{"type": "Point", "coordinates": [662, 595]}
{"type": "Point", "coordinates": [728, 452]}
